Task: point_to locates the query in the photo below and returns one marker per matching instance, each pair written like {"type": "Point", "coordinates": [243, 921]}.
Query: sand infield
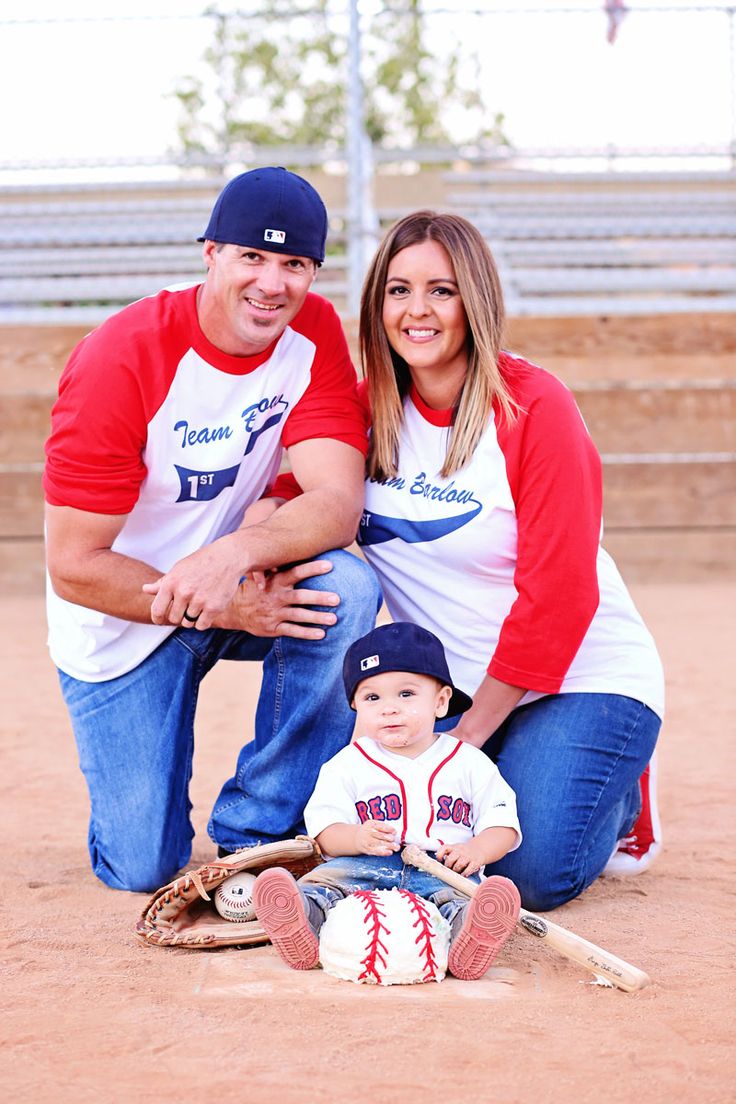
{"type": "Point", "coordinates": [90, 1014]}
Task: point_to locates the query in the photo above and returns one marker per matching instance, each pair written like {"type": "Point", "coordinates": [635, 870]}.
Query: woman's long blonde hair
{"type": "Point", "coordinates": [388, 373]}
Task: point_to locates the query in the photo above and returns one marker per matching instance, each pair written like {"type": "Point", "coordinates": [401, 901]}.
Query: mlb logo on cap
{"type": "Point", "coordinates": [401, 647]}
{"type": "Point", "coordinates": [270, 208]}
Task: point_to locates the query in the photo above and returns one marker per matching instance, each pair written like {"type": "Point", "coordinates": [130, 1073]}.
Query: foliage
{"type": "Point", "coordinates": [278, 76]}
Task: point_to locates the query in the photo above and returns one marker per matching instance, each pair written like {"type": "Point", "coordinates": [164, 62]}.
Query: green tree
{"type": "Point", "coordinates": [278, 76]}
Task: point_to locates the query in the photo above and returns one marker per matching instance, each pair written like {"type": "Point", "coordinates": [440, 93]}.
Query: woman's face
{"type": "Point", "coordinates": [423, 313]}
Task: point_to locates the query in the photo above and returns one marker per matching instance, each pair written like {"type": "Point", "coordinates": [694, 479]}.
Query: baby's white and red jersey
{"type": "Point", "coordinates": [502, 561]}
{"type": "Point", "coordinates": [156, 423]}
{"type": "Point", "coordinates": [448, 794]}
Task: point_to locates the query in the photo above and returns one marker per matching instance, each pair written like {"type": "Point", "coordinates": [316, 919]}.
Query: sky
{"type": "Point", "coordinates": [76, 88]}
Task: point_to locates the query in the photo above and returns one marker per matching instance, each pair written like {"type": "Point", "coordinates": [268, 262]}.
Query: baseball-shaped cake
{"type": "Point", "coordinates": [385, 937]}
{"type": "Point", "coordinates": [234, 898]}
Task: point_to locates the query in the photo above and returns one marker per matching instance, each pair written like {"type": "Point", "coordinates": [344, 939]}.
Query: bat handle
{"type": "Point", "coordinates": [602, 963]}
{"type": "Point", "coordinates": [414, 856]}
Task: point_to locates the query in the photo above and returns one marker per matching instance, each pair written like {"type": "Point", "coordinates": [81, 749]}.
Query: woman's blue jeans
{"type": "Point", "coordinates": [574, 761]}
{"type": "Point", "coordinates": [135, 737]}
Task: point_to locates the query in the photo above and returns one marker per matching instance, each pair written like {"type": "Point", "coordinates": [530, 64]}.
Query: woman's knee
{"type": "Point", "coordinates": [544, 883]}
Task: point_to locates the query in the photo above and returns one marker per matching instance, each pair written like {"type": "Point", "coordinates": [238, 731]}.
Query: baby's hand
{"type": "Point", "coordinates": [377, 838]}
{"type": "Point", "coordinates": [461, 857]}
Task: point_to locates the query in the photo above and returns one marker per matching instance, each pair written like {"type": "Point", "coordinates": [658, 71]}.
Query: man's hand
{"type": "Point", "coordinates": [375, 837]}
{"type": "Point", "coordinates": [272, 605]}
{"type": "Point", "coordinates": [198, 588]}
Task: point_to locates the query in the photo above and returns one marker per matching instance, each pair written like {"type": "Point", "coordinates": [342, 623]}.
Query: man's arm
{"type": "Point", "coordinates": [84, 569]}
{"type": "Point", "coordinates": [325, 516]}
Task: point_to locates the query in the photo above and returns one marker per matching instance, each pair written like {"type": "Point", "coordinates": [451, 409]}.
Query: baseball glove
{"type": "Point", "coordinates": [183, 912]}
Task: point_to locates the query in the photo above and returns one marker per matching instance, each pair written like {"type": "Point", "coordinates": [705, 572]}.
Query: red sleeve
{"type": "Point", "coordinates": [93, 455]}
{"type": "Point", "coordinates": [111, 387]}
{"type": "Point", "coordinates": [554, 471]}
{"type": "Point", "coordinates": [329, 407]}
{"type": "Point", "coordinates": [285, 485]}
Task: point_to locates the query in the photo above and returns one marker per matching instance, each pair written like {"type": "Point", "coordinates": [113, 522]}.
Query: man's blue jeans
{"type": "Point", "coordinates": [135, 736]}
{"type": "Point", "coordinates": [574, 761]}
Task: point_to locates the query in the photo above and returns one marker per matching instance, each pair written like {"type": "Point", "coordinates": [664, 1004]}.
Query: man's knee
{"type": "Point", "coordinates": [140, 871]}
{"type": "Point", "coordinates": [353, 579]}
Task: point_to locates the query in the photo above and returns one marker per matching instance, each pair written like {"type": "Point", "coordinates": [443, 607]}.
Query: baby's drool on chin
{"type": "Point", "coordinates": [395, 739]}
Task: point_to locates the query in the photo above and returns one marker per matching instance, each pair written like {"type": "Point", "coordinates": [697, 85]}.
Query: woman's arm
{"type": "Point", "coordinates": [554, 473]}
{"type": "Point", "coordinates": [492, 703]}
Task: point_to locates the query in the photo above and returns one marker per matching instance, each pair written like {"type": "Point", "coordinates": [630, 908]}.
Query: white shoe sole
{"type": "Point", "coordinates": [623, 865]}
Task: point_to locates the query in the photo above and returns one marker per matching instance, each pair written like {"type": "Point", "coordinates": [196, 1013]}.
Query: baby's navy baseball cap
{"type": "Point", "coordinates": [271, 209]}
{"type": "Point", "coordinates": [400, 646]}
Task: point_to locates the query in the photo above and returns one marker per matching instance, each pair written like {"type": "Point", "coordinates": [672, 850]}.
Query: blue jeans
{"type": "Point", "coordinates": [135, 737]}
{"type": "Point", "coordinates": [335, 879]}
{"type": "Point", "coordinates": [574, 761]}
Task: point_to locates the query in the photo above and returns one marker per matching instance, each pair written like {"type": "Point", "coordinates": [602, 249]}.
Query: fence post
{"type": "Point", "coordinates": [361, 219]}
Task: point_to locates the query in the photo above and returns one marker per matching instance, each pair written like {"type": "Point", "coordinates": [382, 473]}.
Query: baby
{"type": "Point", "coordinates": [401, 782]}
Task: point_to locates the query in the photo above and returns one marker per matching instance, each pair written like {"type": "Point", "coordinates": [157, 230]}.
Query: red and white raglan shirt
{"type": "Point", "coordinates": [502, 560]}
{"type": "Point", "coordinates": [448, 794]}
{"type": "Point", "coordinates": [156, 423]}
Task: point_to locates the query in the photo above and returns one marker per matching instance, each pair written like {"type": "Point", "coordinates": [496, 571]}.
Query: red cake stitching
{"type": "Point", "coordinates": [426, 931]}
{"type": "Point", "coordinates": [376, 950]}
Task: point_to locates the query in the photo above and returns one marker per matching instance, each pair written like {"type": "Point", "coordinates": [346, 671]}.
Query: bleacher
{"type": "Point", "coordinates": [603, 243]}
{"type": "Point", "coordinates": [625, 292]}
{"type": "Point", "coordinates": [76, 254]}
{"type": "Point", "coordinates": [566, 243]}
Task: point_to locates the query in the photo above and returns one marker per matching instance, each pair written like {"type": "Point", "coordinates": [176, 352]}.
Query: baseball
{"type": "Point", "coordinates": [234, 898]}
{"type": "Point", "coordinates": [385, 937]}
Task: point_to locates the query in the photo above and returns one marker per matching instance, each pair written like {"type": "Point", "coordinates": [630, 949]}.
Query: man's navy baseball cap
{"type": "Point", "coordinates": [400, 646]}
{"type": "Point", "coordinates": [271, 209]}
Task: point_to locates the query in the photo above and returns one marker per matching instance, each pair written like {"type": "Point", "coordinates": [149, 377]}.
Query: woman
{"type": "Point", "coordinates": [482, 521]}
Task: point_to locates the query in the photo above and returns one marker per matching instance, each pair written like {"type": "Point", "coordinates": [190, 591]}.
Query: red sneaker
{"type": "Point", "coordinates": [281, 910]}
{"type": "Point", "coordinates": [636, 852]}
{"type": "Point", "coordinates": [485, 924]}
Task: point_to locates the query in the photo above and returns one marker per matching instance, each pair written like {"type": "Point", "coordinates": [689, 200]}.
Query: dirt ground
{"type": "Point", "coordinates": [89, 1014]}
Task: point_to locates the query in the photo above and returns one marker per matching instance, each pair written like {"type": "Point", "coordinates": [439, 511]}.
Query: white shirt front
{"type": "Point", "coordinates": [448, 794]}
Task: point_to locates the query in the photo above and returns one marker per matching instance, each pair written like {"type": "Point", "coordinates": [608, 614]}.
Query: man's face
{"type": "Point", "coordinates": [250, 296]}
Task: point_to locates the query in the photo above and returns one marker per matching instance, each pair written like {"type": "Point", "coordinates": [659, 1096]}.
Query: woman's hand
{"type": "Point", "coordinates": [492, 703]}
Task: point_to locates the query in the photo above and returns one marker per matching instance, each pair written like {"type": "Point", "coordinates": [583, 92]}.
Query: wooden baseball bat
{"type": "Point", "coordinates": [566, 943]}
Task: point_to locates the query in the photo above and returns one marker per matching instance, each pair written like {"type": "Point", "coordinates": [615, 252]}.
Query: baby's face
{"type": "Point", "coordinates": [398, 710]}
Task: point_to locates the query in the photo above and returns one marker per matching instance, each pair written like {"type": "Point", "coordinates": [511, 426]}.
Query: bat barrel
{"type": "Point", "coordinates": [606, 965]}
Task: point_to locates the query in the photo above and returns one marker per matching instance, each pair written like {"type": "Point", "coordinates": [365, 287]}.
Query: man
{"type": "Point", "coordinates": [171, 420]}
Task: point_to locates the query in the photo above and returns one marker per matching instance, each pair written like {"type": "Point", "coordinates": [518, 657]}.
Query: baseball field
{"type": "Point", "coordinates": [92, 1016]}
{"type": "Point", "coordinates": [89, 1014]}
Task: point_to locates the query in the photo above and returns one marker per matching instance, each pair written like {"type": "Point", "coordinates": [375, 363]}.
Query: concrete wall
{"type": "Point", "coordinates": [658, 394]}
